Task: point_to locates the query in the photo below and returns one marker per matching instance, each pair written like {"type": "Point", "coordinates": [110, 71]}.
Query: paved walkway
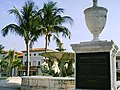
{"type": "Point", "coordinates": [11, 83]}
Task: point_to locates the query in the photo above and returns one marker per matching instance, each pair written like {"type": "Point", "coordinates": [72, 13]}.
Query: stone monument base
{"type": "Point", "coordinates": [95, 65]}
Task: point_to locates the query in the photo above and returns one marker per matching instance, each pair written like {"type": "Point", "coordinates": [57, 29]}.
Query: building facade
{"type": "Point", "coordinates": [35, 58]}
{"type": "Point", "coordinates": [35, 61]}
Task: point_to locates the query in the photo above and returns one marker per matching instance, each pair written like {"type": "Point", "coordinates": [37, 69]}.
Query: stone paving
{"type": "Point", "coordinates": [11, 83]}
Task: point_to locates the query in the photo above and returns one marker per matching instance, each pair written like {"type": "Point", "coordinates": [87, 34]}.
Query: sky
{"type": "Point", "coordinates": [79, 30]}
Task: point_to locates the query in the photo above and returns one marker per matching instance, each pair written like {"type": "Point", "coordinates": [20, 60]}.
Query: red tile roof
{"type": "Point", "coordinates": [37, 50]}
{"type": "Point", "coordinates": [18, 53]}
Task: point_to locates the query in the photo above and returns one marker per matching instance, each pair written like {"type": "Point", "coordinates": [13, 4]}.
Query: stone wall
{"type": "Point", "coordinates": [47, 83]}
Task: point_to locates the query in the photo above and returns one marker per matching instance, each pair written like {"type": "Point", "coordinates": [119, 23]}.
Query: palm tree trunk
{"type": "Point", "coordinates": [46, 43]}
{"type": "Point", "coordinates": [28, 57]}
{"type": "Point", "coordinates": [9, 70]}
{"type": "Point", "coordinates": [15, 71]}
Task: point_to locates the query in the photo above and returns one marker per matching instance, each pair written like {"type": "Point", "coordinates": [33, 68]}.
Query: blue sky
{"type": "Point", "coordinates": [79, 30]}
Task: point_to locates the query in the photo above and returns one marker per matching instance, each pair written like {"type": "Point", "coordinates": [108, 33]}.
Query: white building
{"type": "Point", "coordinates": [35, 60]}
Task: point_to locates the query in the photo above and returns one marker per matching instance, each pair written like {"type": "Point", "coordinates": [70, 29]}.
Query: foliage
{"type": "Point", "coordinates": [13, 61]}
{"type": "Point", "coordinates": [27, 26]}
{"type": "Point", "coordinates": [31, 24]}
{"type": "Point", "coordinates": [1, 48]}
{"type": "Point", "coordinates": [51, 21]}
{"type": "Point", "coordinates": [9, 62]}
{"type": "Point", "coordinates": [4, 64]}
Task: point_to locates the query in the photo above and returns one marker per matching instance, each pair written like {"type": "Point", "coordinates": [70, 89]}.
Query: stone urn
{"type": "Point", "coordinates": [95, 18]}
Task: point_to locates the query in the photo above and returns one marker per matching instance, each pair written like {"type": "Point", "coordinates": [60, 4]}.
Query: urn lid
{"type": "Point", "coordinates": [95, 7]}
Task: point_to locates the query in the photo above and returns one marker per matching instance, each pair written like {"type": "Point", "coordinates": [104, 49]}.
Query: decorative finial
{"type": "Point", "coordinates": [94, 2]}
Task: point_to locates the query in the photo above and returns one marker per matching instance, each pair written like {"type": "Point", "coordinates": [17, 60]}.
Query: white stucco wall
{"type": "Point", "coordinates": [35, 57]}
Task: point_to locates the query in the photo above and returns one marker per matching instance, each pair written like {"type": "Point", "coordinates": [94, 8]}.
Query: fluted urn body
{"type": "Point", "coordinates": [95, 18]}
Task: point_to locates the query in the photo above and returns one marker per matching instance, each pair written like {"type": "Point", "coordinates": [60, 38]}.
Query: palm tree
{"type": "Point", "coordinates": [13, 61]}
{"type": "Point", "coordinates": [17, 63]}
{"type": "Point", "coordinates": [10, 58]}
{"type": "Point", "coordinates": [4, 65]}
{"type": "Point", "coordinates": [51, 22]}
{"type": "Point", "coordinates": [27, 26]}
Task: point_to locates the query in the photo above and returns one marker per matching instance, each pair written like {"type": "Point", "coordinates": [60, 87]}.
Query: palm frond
{"type": "Point", "coordinates": [13, 28]}
{"type": "Point", "coordinates": [16, 13]}
{"type": "Point", "coordinates": [57, 40]}
{"type": "Point", "coordinates": [58, 11]}
{"type": "Point", "coordinates": [51, 21]}
{"type": "Point", "coordinates": [63, 30]}
{"type": "Point", "coordinates": [67, 19]}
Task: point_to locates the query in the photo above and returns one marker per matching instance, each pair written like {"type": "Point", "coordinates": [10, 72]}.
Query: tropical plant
{"type": "Point", "coordinates": [1, 48]}
{"type": "Point", "coordinates": [4, 65]}
{"type": "Point", "coordinates": [27, 26]}
{"type": "Point", "coordinates": [13, 61]}
{"type": "Point", "coordinates": [10, 58]}
{"type": "Point", "coordinates": [17, 63]}
{"type": "Point", "coordinates": [51, 21]}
